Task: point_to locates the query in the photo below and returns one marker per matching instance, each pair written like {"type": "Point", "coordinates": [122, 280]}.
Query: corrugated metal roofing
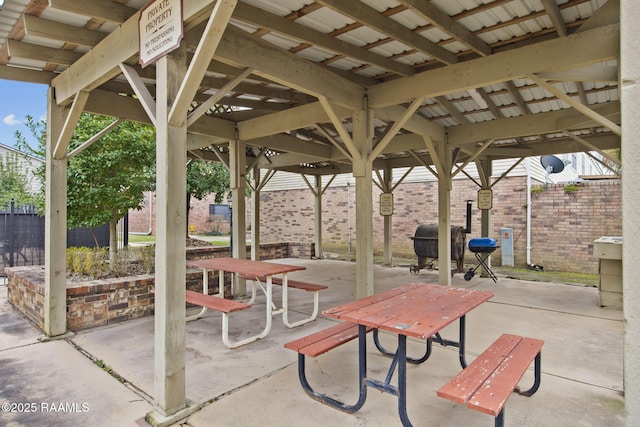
{"type": "Point", "coordinates": [382, 41]}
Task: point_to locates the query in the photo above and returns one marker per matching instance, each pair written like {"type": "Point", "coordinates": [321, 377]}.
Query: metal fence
{"type": "Point", "coordinates": [22, 237]}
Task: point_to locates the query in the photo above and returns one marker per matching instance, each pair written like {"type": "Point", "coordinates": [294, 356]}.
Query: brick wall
{"type": "Point", "coordinates": [563, 226]}
{"type": "Point", "coordinates": [143, 220]}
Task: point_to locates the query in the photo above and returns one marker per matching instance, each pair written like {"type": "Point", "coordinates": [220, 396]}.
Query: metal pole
{"type": "Point", "coordinates": [230, 228]}
{"type": "Point", "coordinates": [528, 211]}
{"type": "Point", "coordinates": [12, 231]}
{"type": "Point", "coordinates": [349, 217]}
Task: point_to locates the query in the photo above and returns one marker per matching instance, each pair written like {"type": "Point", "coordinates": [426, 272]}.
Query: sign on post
{"type": "Point", "coordinates": [485, 199]}
{"type": "Point", "coordinates": [386, 204]}
{"type": "Point", "coordinates": [160, 29]}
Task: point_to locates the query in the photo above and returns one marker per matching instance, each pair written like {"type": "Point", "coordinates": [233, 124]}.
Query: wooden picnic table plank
{"type": "Point", "coordinates": [491, 397]}
{"type": "Point", "coordinates": [387, 311]}
{"type": "Point", "coordinates": [318, 336]}
{"type": "Point", "coordinates": [244, 266]}
{"type": "Point", "coordinates": [424, 320]}
{"type": "Point", "coordinates": [417, 309]}
{"type": "Point", "coordinates": [213, 302]}
{"type": "Point", "coordinates": [339, 311]}
{"type": "Point", "coordinates": [468, 381]}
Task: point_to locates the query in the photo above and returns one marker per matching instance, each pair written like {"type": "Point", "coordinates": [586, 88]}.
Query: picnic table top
{"type": "Point", "coordinates": [418, 310]}
{"type": "Point", "coordinates": [244, 266]}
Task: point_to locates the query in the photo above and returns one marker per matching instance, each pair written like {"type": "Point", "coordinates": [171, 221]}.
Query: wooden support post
{"type": "Point", "coordinates": [388, 220]}
{"type": "Point", "coordinates": [317, 221]}
{"type": "Point", "coordinates": [630, 103]}
{"type": "Point", "coordinates": [238, 174]}
{"type": "Point", "coordinates": [171, 158]}
{"type": "Point", "coordinates": [485, 171]}
{"type": "Point", "coordinates": [255, 215]}
{"type": "Point", "coordinates": [444, 214]}
{"type": "Point", "coordinates": [485, 178]}
{"type": "Point", "coordinates": [363, 173]}
{"type": "Point", "coordinates": [55, 241]}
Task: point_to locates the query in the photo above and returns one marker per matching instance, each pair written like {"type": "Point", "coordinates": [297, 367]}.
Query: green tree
{"type": "Point", "coordinates": [14, 181]}
{"type": "Point", "coordinates": [109, 177]}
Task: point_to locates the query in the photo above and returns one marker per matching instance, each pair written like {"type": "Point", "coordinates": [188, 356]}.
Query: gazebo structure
{"type": "Point", "coordinates": [325, 87]}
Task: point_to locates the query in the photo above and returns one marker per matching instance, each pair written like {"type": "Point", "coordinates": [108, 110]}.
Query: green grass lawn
{"type": "Point", "coordinates": [215, 240]}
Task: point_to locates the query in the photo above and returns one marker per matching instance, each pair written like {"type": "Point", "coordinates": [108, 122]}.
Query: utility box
{"type": "Point", "coordinates": [507, 247]}
{"type": "Point", "coordinates": [609, 250]}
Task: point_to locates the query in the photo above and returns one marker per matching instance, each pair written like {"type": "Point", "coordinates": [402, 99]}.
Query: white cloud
{"type": "Point", "coordinates": [11, 120]}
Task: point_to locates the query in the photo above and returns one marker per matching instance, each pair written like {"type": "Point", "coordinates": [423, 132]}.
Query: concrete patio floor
{"type": "Point", "coordinates": [257, 384]}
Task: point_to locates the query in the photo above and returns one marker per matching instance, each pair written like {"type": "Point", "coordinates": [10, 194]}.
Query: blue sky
{"type": "Point", "coordinates": [17, 100]}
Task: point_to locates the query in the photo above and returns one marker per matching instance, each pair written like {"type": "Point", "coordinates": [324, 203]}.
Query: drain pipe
{"type": "Point", "coordinates": [468, 229]}
{"type": "Point", "coordinates": [528, 165]}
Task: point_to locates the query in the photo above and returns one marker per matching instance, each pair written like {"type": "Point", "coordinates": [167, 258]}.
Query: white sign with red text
{"type": "Point", "coordinates": [160, 29]}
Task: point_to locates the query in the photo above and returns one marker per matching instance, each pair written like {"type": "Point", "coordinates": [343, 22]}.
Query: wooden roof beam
{"type": "Point", "coordinates": [577, 50]}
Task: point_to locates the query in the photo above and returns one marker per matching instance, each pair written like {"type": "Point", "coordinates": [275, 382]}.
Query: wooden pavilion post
{"type": "Point", "coordinates": [363, 173]}
{"type": "Point", "coordinates": [171, 159]}
{"type": "Point", "coordinates": [255, 214]}
{"type": "Point", "coordinates": [444, 214]}
{"type": "Point", "coordinates": [485, 172]}
{"type": "Point", "coordinates": [317, 216]}
{"type": "Point", "coordinates": [238, 183]}
{"type": "Point", "coordinates": [55, 242]}
{"type": "Point", "coordinates": [388, 219]}
{"type": "Point", "coordinates": [630, 102]}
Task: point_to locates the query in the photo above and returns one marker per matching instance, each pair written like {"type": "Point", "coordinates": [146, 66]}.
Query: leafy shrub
{"type": "Point", "coordinates": [571, 188]}
{"type": "Point", "coordinates": [535, 190]}
{"type": "Point", "coordinates": [87, 262]}
{"type": "Point", "coordinates": [93, 262]}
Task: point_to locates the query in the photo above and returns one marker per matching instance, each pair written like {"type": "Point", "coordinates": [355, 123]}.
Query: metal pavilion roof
{"type": "Point", "coordinates": [555, 107]}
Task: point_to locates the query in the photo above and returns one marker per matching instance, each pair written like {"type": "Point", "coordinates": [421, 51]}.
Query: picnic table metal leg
{"type": "Point", "coordinates": [254, 290]}
{"type": "Point", "coordinates": [384, 351]}
{"type": "Point", "coordinates": [254, 281]}
{"type": "Point", "coordinates": [462, 341]}
{"type": "Point", "coordinates": [362, 372]}
{"type": "Point", "coordinates": [402, 380]}
{"type": "Point", "coordinates": [400, 390]}
{"type": "Point", "coordinates": [264, 333]}
{"type": "Point", "coordinates": [499, 420]}
{"type": "Point", "coordinates": [537, 376]}
{"type": "Point", "coordinates": [205, 290]}
{"type": "Point", "coordinates": [221, 284]}
{"type": "Point", "coordinates": [285, 306]}
{"type": "Point", "coordinates": [460, 344]}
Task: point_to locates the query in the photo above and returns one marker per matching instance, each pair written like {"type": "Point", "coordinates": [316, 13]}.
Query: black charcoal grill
{"type": "Point", "coordinates": [482, 247]}
{"type": "Point", "coordinates": [425, 245]}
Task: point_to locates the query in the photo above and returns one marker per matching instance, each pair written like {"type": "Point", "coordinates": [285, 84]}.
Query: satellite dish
{"type": "Point", "coordinates": [552, 164]}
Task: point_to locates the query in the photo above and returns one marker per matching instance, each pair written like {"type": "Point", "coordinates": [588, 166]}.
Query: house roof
{"type": "Point", "coordinates": [495, 79]}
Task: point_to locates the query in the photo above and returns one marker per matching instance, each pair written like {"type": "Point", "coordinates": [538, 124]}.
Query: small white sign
{"type": "Point", "coordinates": [485, 199]}
{"type": "Point", "coordinates": [386, 204]}
{"type": "Point", "coordinates": [160, 29]}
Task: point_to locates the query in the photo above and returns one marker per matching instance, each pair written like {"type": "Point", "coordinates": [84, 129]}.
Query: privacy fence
{"type": "Point", "coordinates": [22, 236]}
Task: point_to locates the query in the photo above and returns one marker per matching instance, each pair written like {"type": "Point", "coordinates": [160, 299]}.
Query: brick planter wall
{"type": "Point", "coordinates": [108, 301]}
